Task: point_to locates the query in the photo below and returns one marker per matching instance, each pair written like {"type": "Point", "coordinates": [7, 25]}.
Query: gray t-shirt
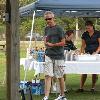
{"type": "Point", "coordinates": [54, 35]}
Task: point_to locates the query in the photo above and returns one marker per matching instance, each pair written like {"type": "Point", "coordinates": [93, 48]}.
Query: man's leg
{"type": "Point", "coordinates": [61, 82]}
{"type": "Point", "coordinates": [59, 73]}
{"type": "Point", "coordinates": [48, 71]}
{"type": "Point", "coordinates": [62, 95]}
{"type": "Point", "coordinates": [47, 85]}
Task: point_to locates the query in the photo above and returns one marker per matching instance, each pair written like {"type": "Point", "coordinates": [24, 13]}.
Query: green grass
{"type": "Point", "coordinates": [2, 92]}
{"type": "Point", "coordinates": [2, 74]}
{"type": "Point", "coordinates": [72, 82]}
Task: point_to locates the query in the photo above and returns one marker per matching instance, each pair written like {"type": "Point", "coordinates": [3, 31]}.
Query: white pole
{"type": "Point", "coordinates": [32, 30]}
{"type": "Point", "coordinates": [30, 42]}
{"type": "Point", "coordinates": [77, 29]}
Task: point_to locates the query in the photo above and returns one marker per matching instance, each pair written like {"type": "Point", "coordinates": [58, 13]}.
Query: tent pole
{"type": "Point", "coordinates": [77, 29]}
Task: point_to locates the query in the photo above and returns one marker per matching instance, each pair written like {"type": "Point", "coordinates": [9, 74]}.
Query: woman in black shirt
{"type": "Point", "coordinates": [90, 45]}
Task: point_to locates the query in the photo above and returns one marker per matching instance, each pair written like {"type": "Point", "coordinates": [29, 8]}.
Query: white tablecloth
{"type": "Point", "coordinates": [76, 67]}
{"type": "Point", "coordinates": [71, 67]}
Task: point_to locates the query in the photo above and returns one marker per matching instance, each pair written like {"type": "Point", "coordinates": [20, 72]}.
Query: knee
{"type": "Point", "coordinates": [95, 76]}
{"type": "Point", "coordinates": [84, 75]}
{"type": "Point", "coordinates": [47, 77]}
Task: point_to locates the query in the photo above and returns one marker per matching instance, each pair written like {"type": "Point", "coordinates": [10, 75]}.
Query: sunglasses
{"type": "Point", "coordinates": [48, 19]}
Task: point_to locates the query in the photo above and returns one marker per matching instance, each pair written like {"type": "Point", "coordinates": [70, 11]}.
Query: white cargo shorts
{"type": "Point", "coordinates": [54, 67]}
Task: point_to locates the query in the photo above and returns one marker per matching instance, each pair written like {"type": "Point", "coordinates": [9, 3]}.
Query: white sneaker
{"type": "Point", "coordinates": [61, 98]}
{"type": "Point", "coordinates": [45, 98]}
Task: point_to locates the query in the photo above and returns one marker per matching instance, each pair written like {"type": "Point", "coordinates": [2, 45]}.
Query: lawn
{"type": "Point", "coordinates": [72, 81]}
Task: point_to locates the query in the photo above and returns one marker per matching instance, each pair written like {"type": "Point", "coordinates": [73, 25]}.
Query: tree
{"type": "Point", "coordinates": [25, 2]}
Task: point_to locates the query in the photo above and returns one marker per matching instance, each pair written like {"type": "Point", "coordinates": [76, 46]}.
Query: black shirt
{"type": "Point", "coordinates": [91, 41]}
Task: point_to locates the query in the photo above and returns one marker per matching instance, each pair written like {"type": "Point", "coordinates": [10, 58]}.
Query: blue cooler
{"type": "Point", "coordinates": [23, 85]}
{"type": "Point", "coordinates": [40, 56]}
{"type": "Point", "coordinates": [38, 88]}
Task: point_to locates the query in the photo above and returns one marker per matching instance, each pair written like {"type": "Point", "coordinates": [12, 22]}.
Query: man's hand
{"type": "Point", "coordinates": [49, 44]}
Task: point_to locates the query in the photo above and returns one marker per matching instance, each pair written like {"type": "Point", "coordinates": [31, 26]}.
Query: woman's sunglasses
{"type": "Point", "coordinates": [48, 19]}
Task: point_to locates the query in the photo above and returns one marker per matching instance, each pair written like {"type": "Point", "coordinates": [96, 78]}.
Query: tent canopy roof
{"type": "Point", "coordinates": [80, 8]}
{"type": "Point", "coordinates": [68, 4]}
